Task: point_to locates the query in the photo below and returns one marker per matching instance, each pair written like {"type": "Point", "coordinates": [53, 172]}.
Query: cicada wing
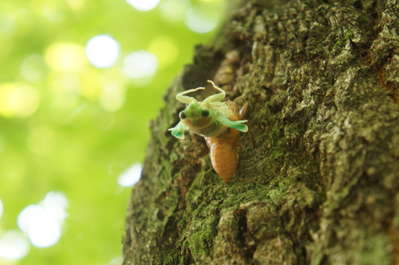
{"type": "Point", "coordinates": [238, 125]}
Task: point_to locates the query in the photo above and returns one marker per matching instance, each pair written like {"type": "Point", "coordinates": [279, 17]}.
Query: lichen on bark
{"type": "Point", "coordinates": [318, 178]}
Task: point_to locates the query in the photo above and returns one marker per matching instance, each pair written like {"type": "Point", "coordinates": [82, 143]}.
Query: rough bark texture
{"type": "Point", "coordinates": [318, 178]}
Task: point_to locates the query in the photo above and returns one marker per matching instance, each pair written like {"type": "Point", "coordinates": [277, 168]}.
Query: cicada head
{"type": "Point", "coordinates": [195, 116]}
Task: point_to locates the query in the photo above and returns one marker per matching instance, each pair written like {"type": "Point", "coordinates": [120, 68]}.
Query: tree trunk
{"type": "Point", "coordinates": [318, 177]}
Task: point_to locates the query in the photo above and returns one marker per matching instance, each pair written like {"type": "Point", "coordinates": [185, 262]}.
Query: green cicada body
{"type": "Point", "coordinates": [218, 122]}
{"type": "Point", "coordinates": [208, 118]}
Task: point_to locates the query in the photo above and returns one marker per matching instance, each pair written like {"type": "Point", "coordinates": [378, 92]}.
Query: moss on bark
{"type": "Point", "coordinates": [318, 178]}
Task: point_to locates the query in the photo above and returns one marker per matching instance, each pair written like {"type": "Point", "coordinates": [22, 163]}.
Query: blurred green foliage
{"type": "Point", "coordinates": [68, 126]}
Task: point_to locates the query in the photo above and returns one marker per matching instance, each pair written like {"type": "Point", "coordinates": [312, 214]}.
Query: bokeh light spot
{"type": "Point", "coordinates": [112, 93]}
{"type": "Point", "coordinates": [43, 222]}
{"type": "Point", "coordinates": [102, 51]}
{"type": "Point", "coordinates": [143, 5]}
{"type": "Point", "coordinates": [173, 10]}
{"type": "Point", "coordinates": [116, 261]}
{"type": "Point", "coordinates": [64, 82]}
{"type": "Point", "coordinates": [18, 100]}
{"type": "Point", "coordinates": [165, 50]}
{"type": "Point", "coordinates": [13, 246]}
{"type": "Point", "coordinates": [91, 84]}
{"type": "Point", "coordinates": [131, 176]}
{"type": "Point", "coordinates": [198, 22]}
{"type": "Point", "coordinates": [112, 97]}
{"type": "Point", "coordinates": [140, 65]}
{"type": "Point", "coordinates": [65, 89]}
{"type": "Point", "coordinates": [76, 4]}
{"type": "Point", "coordinates": [56, 203]}
{"type": "Point", "coordinates": [65, 57]}
{"type": "Point", "coordinates": [41, 230]}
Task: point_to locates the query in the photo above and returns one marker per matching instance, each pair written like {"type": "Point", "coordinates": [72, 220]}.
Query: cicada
{"type": "Point", "coordinates": [219, 122]}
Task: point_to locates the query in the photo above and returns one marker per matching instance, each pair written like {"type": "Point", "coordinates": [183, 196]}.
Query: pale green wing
{"type": "Point", "coordinates": [238, 125]}
{"type": "Point", "coordinates": [186, 99]}
{"type": "Point", "coordinates": [178, 130]}
{"type": "Point", "coordinates": [217, 97]}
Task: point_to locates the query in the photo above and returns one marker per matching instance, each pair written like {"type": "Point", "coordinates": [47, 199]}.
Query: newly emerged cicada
{"type": "Point", "coordinates": [219, 122]}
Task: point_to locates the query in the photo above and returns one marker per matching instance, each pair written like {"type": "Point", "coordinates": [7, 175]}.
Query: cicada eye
{"type": "Point", "coordinates": [182, 116]}
{"type": "Point", "coordinates": [205, 113]}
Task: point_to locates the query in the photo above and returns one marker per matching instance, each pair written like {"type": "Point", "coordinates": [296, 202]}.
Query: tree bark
{"type": "Point", "coordinates": [318, 177]}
